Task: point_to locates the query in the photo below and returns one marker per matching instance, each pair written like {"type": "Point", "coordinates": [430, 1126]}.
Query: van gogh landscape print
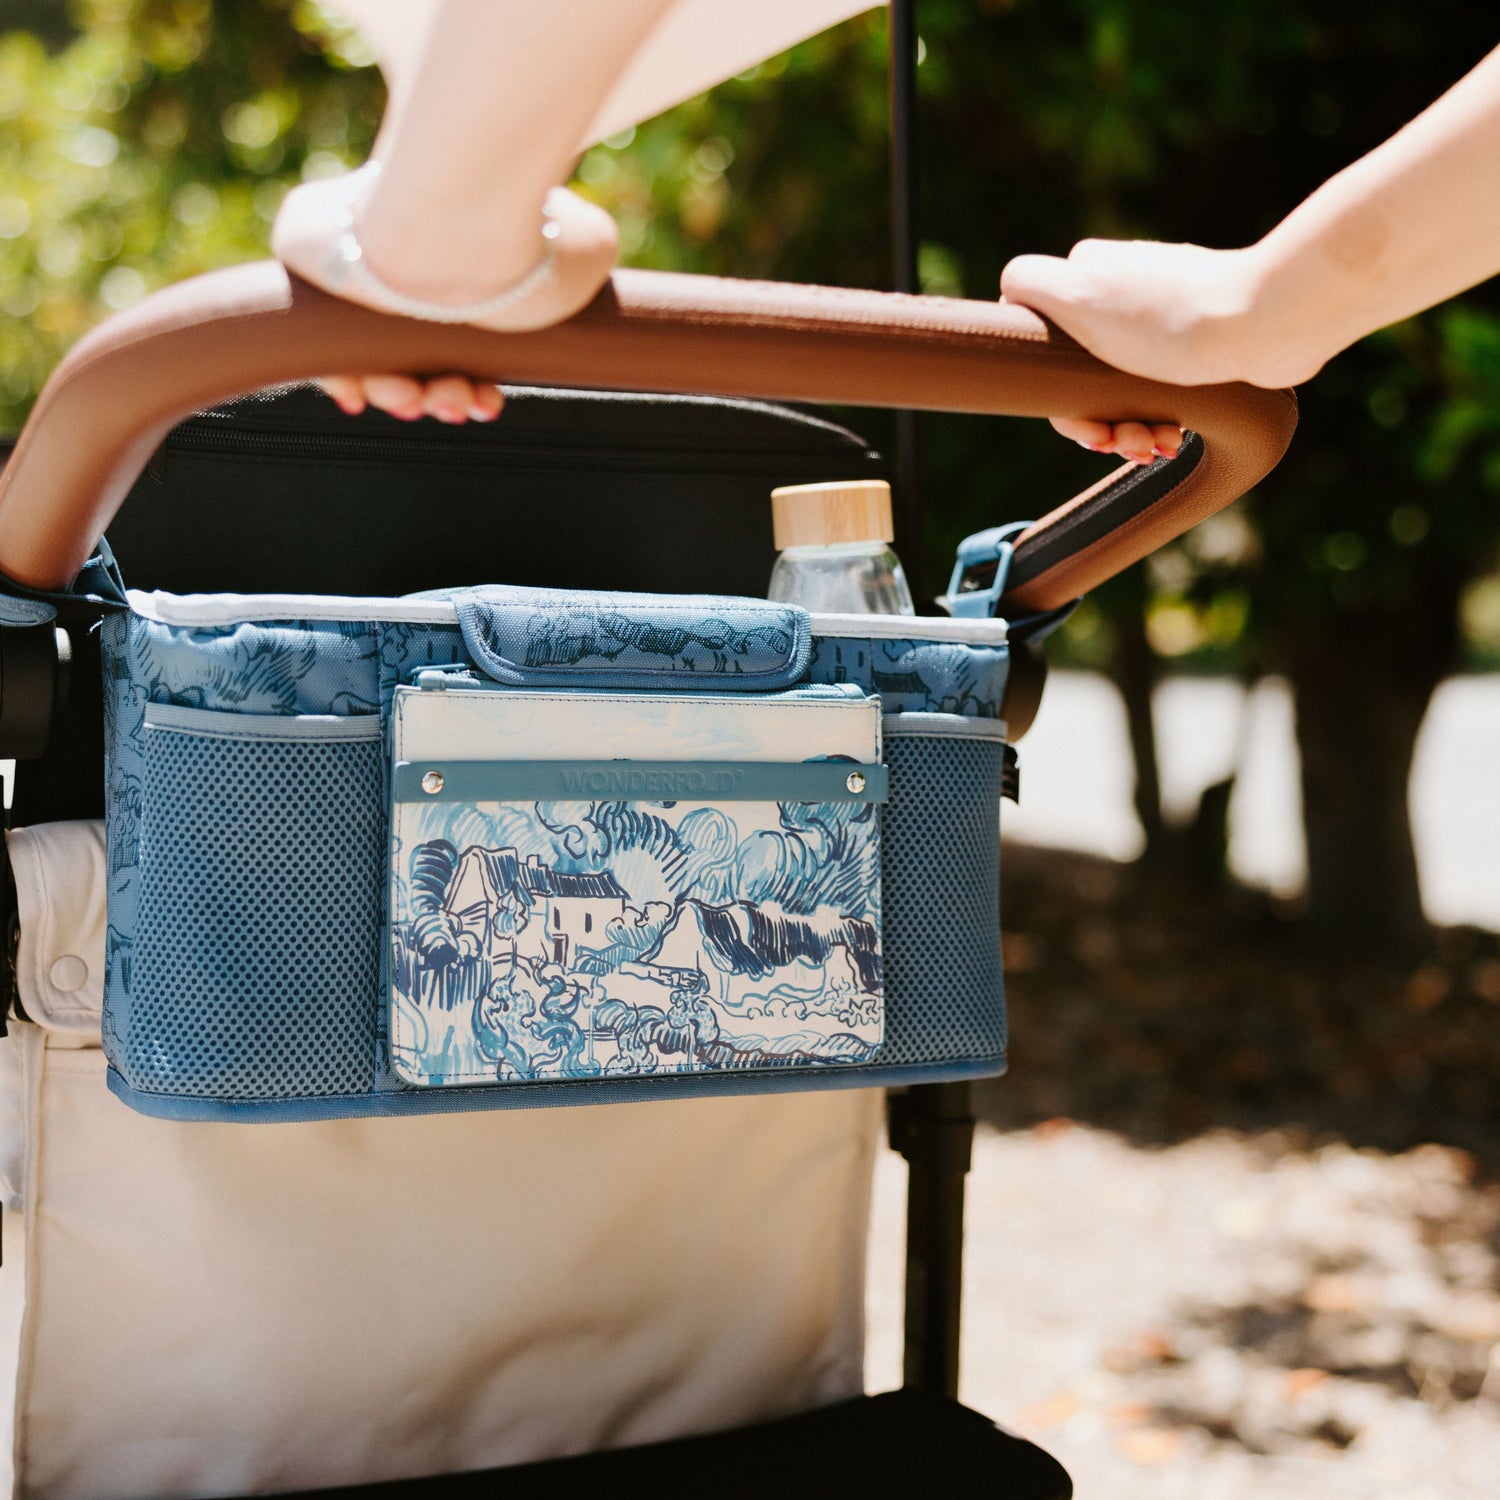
{"type": "Point", "coordinates": [553, 940]}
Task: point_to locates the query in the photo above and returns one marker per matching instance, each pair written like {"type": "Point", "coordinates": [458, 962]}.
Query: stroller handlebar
{"type": "Point", "coordinates": [123, 386]}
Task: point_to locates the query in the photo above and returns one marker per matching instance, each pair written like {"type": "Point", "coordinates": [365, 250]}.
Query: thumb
{"type": "Point", "coordinates": [1046, 283]}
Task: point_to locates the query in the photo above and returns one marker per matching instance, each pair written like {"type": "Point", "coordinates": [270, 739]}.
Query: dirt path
{"type": "Point", "coordinates": [1234, 1222]}
{"type": "Point", "coordinates": [1228, 1317]}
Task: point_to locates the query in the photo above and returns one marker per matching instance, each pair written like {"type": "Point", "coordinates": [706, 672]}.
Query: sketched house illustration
{"type": "Point", "coordinates": [510, 967]}
{"type": "Point", "coordinates": [762, 956]}
{"type": "Point", "coordinates": [516, 908]}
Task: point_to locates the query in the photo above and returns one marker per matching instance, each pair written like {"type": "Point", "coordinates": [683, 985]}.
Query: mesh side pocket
{"type": "Point", "coordinates": [940, 869]}
{"type": "Point", "coordinates": [256, 970]}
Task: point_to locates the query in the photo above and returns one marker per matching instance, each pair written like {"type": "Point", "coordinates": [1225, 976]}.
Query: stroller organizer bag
{"type": "Point", "coordinates": [514, 847]}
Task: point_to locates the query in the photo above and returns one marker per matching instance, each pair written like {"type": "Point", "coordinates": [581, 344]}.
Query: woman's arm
{"type": "Point", "coordinates": [1412, 223]}
{"type": "Point", "coordinates": [487, 124]}
{"type": "Point", "coordinates": [489, 100]}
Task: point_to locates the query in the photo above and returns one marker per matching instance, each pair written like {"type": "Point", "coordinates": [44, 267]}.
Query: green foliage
{"type": "Point", "coordinates": [780, 172]}
{"type": "Point", "coordinates": [1043, 123]}
{"type": "Point", "coordinates": [153, 143]}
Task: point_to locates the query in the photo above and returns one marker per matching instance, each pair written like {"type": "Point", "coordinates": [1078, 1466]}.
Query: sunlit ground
{"type": "Point", "coordinates": [1230, 1317]}
{"type": "Point", "coordinates": [1234, 1227]}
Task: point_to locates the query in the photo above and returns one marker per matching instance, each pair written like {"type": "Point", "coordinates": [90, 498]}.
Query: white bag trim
{"type": "Point", "coordinates": [238, 609]}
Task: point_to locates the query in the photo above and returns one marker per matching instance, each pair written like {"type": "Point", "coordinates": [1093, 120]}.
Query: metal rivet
{"type": "Point", "coordinates": [432, 783]}
{"type": "Point", "coordinates": [855, 781]}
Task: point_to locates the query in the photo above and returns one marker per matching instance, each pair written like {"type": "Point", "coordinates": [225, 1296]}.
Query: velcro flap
{"type": "Point", "coordinates": [562, 638]}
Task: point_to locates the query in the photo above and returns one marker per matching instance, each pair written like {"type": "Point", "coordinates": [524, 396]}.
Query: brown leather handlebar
{"type": "Point", "coordinates": [114, 397]}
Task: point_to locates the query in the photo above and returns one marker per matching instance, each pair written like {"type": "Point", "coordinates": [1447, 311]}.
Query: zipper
{"type": "Point", "coordinates": [208, 435]}
{"type": "Point", "coordinates": [464, 679]}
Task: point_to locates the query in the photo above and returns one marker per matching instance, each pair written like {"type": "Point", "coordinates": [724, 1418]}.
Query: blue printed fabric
{"type": "Point", "coordinates": [98, 587]}
{"type": "Point", "coordinates": [914, 676]}
{"type": "Point", "coordinates": [320, 667]}
{"type": "Point", "coordinates": [552, 637]}
{"type": "Point", "coordinates": [14, 610]}
{"type": "Point", "coordinates": [606, 939]}
{"type": "Point", "coordinates": [353, 667]}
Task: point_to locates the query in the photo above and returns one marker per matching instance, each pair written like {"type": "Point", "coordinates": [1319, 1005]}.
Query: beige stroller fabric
{"type": "Point", "coordinates": [205, 1309]}
{"type": "Point", "coordinates": [695, 45]}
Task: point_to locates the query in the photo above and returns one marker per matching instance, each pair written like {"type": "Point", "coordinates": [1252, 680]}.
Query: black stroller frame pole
{"type": "Point", "coordinates": [904, 221]}
{"type": "Point", "coordinates": [932, 1124]}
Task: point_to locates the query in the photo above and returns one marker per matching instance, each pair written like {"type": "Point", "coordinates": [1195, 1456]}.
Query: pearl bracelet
{"type": "Point", "coordinates": [347, 266]}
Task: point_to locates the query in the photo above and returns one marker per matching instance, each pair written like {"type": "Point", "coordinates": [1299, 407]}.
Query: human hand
{"type": "Point", "coordinates": [582, 249]}
{"type": "Point", "coordinates": [1177, 313]}
{"type": "Point", "coordinates": [1140, 442]}
{"type": "Point", "coordinates": [454, 399]}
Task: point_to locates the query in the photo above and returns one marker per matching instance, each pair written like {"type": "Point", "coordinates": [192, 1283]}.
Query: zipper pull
{"type": "Point", "coordinates": [12, 1005]}
{"type": "Point", "coordinates": [1010, 775]}
{"type": "Point", "coordinates": [455, 674]}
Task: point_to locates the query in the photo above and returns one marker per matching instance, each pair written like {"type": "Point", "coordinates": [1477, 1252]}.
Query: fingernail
{"type": "Point", "coordinates": [482, 414]}
{"type": "Point", "coordinates": [1095, 447]}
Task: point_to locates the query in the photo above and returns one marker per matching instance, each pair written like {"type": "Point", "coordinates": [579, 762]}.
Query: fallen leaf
{"type": "Point", "coordinates": [1022, 953]}
{"type": "Point", "coordinates": [1151, 1445]}
{"type": "Point", "coordinates": [1428, 987]}
{"type": "Point", "coordinates": [1484, 979]}
{"type": "Point", "coordinates": [1300, 1382]}
{"type": "Point", "coordinates": [1148, 1347]}
{"type": "Point", "coordinates": [1052, 1412]}
{"type": "Point", "coordinates": [1334, 1294]}
{"type": "Point", "coordinates": [1472, 1320]}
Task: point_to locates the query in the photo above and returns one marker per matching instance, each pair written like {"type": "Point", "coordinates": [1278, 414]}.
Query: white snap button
{"type": "Point", "coordinates": [68, 973]}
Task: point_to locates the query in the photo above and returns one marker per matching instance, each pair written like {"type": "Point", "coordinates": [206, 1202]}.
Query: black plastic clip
{"type": "Point", "coordinates": [35, 665]}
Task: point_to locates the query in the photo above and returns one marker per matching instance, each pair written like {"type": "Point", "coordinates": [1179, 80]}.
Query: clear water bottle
{"type": "Point", "coordinates": [835, 546]}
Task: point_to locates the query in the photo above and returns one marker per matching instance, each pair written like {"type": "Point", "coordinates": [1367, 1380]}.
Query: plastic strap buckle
{"type": "Point", "coordinates": [980, 572]}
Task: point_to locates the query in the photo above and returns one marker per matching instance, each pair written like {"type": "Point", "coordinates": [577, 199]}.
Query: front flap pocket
{"type": "Point", "coordinates": [589, 885]}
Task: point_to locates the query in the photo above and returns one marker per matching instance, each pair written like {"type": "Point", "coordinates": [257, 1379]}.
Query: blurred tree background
{"type": "Point", "coordinates": [143, 140]}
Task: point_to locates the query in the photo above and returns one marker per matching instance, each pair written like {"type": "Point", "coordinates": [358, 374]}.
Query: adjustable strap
{"type": "Point", "coordinates": [976, 591]}
{"type": "Point", "coordinates": [980, 571]}
{"type": "Point", "coordinates": [36, 651]}
{"type": "Point", "coordinates": [98, 590]}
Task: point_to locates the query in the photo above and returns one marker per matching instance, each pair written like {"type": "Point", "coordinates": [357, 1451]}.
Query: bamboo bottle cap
{"type": "Point", "coordinates": [826, 515]}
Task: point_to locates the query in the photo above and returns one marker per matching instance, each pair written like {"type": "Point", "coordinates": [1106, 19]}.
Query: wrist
{"type": "Point", "coordinates": [1290, 324]}
{"type": "Point", "coordinates": [440, 245]}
